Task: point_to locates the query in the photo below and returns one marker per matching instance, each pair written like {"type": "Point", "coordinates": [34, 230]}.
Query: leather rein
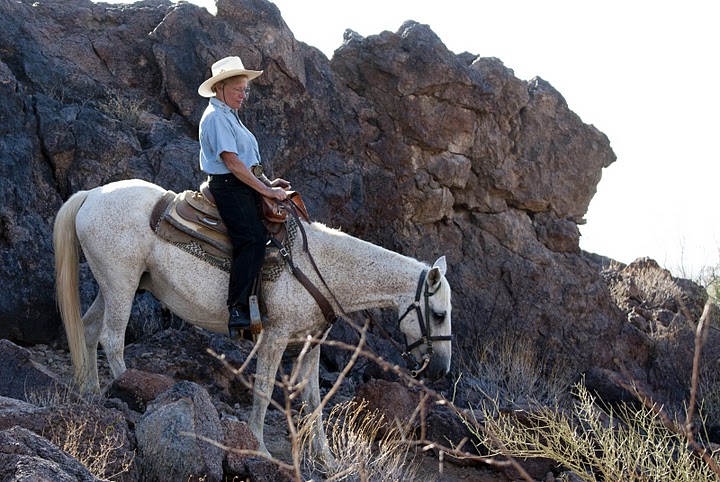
{"type": "Point", "coordinates": [422, 291]}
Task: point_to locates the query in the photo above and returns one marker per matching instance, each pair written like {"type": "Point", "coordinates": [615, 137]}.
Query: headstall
{"type": "Point", "coordinates": [427, 338]}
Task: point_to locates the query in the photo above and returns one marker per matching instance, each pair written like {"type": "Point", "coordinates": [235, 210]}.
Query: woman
{"type": "Point", "coordinates": [228, 154]}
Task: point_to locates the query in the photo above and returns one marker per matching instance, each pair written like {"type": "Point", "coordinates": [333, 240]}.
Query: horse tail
{"type": "Point", "coordinates": [67, 261]}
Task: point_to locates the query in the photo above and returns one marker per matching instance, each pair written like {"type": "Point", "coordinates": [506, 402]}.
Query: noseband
{"type": "Point", "coordinates": [427, 338]}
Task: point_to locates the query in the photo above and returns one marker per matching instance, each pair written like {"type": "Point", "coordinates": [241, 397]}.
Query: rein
{"type": "Point", "coordinates": [423, 290]}
{"type": "Point", "coordinates": [325, 306]}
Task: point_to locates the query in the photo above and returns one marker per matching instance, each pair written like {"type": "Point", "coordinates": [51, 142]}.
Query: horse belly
{"type": "Point", "coordinates": [192, 289]}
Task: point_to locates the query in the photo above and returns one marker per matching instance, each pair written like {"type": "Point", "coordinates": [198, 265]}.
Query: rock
{"type": "Point", "coordinates": [175, 436]}
{"type": "Point", "coordinates": [237, 437]}
{"type": "Point", "coordinates": [90, 432]}
{"type": "Point", "coordinates": [394, 401]}
{"type": "Point", "coordinates": [447, 428]}
{"type": "Point", "coordinates": [25, 455]}
{"type": "Point", "coordinates": [266, 471]}
{"type": "Point", "coordinates": [137, 388]}
{"type": "Point", "coordinates": [607, 385]}
{"type": "Point", "coordinates": [21, 377]}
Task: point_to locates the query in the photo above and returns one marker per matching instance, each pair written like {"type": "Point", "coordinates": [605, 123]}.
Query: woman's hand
{"type": "Point", "coordinates": [279, 182]}
{"type": "Point", "coordinates": [276, 193]}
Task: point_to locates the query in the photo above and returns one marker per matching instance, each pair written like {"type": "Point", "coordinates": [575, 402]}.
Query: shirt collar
{"type": "Point", "coordinates": [221, 105]}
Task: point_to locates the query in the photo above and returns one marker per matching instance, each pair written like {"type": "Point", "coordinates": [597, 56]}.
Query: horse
{"type": "Point", "coordinates": [111, 225]}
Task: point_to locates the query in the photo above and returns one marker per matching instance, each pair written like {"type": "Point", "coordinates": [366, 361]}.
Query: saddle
{"type": "Point", "coordinates": [191, 221]}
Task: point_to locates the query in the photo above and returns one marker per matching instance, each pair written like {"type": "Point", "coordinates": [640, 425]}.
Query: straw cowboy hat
{"type": "Point", "coordinates": [224, 69]}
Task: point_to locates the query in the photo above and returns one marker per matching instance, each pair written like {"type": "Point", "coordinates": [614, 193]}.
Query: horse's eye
{"type": "Point", "coordinates": [438, 316]}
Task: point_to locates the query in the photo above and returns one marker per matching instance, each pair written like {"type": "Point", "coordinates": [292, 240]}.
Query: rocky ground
{"type": "Point", "coordinates": [158, 357]}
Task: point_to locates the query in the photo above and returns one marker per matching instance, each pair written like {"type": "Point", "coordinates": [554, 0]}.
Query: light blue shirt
{"type": "Point", "coordinates": [222, 131]}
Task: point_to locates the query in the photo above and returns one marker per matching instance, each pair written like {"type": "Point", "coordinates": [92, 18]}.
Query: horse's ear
{"type": "Point", "coordinates": [441, 264]}
{"type": "Point", "coordinates": [433, 278]}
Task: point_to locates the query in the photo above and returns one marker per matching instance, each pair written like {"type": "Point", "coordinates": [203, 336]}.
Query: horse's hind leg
{"type": "Point", "coordinates": [115, 320]}
{"type": "Point", "coordinates": [92, 321]}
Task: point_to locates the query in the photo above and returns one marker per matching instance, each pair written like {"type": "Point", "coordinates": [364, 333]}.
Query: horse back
{"type": "Point", "coordinates": [114, 220]}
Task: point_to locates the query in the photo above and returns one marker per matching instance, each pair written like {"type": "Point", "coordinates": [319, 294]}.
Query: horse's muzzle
{"type": "Point", "coordinates": [437, 368]}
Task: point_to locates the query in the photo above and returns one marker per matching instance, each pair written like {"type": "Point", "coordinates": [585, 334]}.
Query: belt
{"type": "Point", "coordinates": [220, 176]}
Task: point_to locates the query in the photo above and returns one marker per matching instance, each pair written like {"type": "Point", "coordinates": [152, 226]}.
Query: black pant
{"type": "Point", "coordinates": [239, 207]}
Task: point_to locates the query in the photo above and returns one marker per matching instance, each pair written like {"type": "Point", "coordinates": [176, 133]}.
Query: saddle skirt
{"type": "Point", "coordinates": [191, 222]}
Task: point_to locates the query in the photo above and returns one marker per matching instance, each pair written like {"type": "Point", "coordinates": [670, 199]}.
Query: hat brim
{"type": "Point", "coordinates": [205, 89]}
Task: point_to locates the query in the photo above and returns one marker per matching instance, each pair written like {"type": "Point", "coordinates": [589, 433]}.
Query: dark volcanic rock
{"type": "Point", "coordinates": [27, 456]}
{"type": "Point", "coordinates": [90, 430]}
{"type": "Point", "coordinates": [21, 376]}
{"type": "Point", "coordinates": [137, 388]}
{"type": "Point", "coordinates": [173, 436]}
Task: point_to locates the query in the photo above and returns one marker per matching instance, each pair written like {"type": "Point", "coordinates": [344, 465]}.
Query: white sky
{"type": "Point", "coordinates": [643, 72]}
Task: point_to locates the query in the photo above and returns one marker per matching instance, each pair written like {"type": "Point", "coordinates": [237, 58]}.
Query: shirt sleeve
{"type": "Point", "coordinates": [219, 136]}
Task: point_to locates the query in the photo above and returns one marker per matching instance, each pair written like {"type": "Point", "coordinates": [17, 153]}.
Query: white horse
{"type": "Point", "coordinates": [111, 224]}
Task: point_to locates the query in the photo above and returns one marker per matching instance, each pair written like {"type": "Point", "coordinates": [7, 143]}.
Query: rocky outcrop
{"type": "Point", "coordinates": [662, 315]}
{"type": "Point", "coordinates": [395, 139]}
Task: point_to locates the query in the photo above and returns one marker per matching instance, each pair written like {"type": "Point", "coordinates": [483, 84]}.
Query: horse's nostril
{"type": "Point", "coordinates": [441, 374]}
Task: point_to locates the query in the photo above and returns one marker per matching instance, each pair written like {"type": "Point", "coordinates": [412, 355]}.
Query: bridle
{"type": "Point", "coordinates": [422, 291]}
{"type": "Point", "coordinates": [426, 338]}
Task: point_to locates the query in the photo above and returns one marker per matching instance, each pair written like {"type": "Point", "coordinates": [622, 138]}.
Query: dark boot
{"type": "Point", "coordinates": [239, 320]}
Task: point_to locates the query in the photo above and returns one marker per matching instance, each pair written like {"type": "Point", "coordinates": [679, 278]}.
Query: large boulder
{"type": "Point", "coordinates": [25, 455]}
{"type": "Point", "coordinates": [175, 436]}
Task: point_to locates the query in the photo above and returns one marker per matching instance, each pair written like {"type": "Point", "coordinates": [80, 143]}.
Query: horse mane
{"type": "Point", "coordinates": [342, 238]}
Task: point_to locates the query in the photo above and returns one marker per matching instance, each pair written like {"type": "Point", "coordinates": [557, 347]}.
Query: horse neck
{"type": "Point", "coordinates": [363, 275]}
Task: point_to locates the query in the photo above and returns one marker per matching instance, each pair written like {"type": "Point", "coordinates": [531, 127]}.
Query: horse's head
{"type": "Point", "coordinates": [428, 327]}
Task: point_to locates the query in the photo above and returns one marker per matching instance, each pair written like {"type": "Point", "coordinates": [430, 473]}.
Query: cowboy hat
{"type": "Point", "coordinates": [224, 69]}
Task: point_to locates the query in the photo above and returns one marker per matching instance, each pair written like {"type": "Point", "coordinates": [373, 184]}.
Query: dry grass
{"type": "Point", "coordinates": [366, 447]}
{"type": "Point", "coordinates": [514, 373]}
{"type": "Point", "coordinates": [55, 396]}
{"type": "Point", "coordinates": [594, 442]}
{"type": "Point", "coordinates": [126, 110]}
{"type": "Point", "coordinates": [97, 446]}
{"type": "Point", "coordinates": [96, 457]}
{"type": "Point", "coordinates": [628, 445]}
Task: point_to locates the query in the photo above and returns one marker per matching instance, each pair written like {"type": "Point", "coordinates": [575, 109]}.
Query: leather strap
{"type": "Point", "coordinates": [159, 209]}
{"type": "Point", "coordinates": [325, 306]}
{"type": "Point", "coordinates": [296, 212]}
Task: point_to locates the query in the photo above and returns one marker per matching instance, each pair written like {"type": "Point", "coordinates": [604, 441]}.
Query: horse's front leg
{"type": "Point", "coordinates": [309, 372]}
{"type": "Point", "coordinates": [269, 355]}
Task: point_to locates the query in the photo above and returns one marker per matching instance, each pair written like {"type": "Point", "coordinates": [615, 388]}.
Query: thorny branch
{"type": "Point", "coordinates": [358, 351]}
